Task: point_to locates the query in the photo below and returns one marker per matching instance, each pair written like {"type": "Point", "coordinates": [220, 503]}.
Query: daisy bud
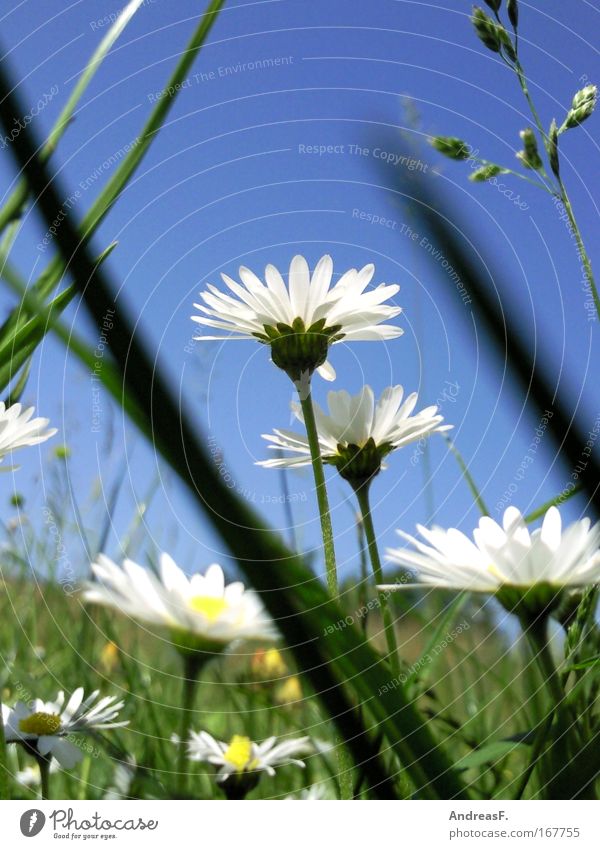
{"type": "Point", "coordinates": [450, 146]}
{"type": "Point", "coordinates": [582, 107]}
{"type": "Point", "coordinates": [486, 173]}
{"type": "Point", "coordinates": [553, 148]}
{"type": "Point", "coordinates": [513, 12]}
{"type": "Point", "coordinates": [486, 30]}
{"type": "Point", "coordinates": [529, 156]}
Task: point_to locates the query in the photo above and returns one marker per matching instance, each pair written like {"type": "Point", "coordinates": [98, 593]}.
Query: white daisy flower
{"type": "Point", "coordinates": [45, 726]}
{"type": "Point", "coordinates": [241, 755]}
{"type": "Point", "coordinates": [201, 611]}
{"type": "Point", "coordinates": [503, 559]}
{"type": "Point", "coordinates": [301, 320]}
{"type": "Point", "coordinates": [18, 429]}
{"type": "Point", "coordinates": [358, 432]}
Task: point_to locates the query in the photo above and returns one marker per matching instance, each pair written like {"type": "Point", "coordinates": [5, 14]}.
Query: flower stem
{"type": "Point", "coordinates": [44, 764]}
{"type": "Point", "coordinates": [4, 794]}
{"type": "Point", "coordinates": [192, 664]}
{"type": "Point", "coordinates": [343, 757]}
{"type": "Point", "coordinates": [535, 633]}
{"type": "Point", "coordinates": [561, 192]}
{"type": "Point", "coordinates": [362, 494]}
{"type": "Point", "coordinates": [322, 500]}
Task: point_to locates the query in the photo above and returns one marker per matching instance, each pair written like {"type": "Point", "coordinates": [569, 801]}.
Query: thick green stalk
{"type": "Point", "coordinates": [537, 638]}
{"type": "Point", "coordinates": [362, 494]}
{"type": "Point", "coordinates": [321, 490]}
{"type": "Point", "coordinates": [192, 664]}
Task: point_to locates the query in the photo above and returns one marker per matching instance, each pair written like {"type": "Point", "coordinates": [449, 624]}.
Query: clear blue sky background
{"type": "Point", "coordinates": [226, 183]}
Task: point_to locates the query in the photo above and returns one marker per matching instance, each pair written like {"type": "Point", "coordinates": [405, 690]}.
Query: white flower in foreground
{"type": "Point", "coordinates": [44, 726]}
{"type": "Point", "coordinates": [201, 611]}
{"type": "Point", "coordinates": [358, 432]}
{"type": "Point", "coordinates": [18, 429]}
{"type": "Point", "coordinates": [505, 559]}
{"type": "Point", "coordinates": [241, 755]}
{"type": "Point", "coordinates": [299, 321]}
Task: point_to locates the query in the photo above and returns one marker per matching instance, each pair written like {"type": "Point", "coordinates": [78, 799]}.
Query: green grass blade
{"type": "Point", "coordinates": [553, 502]}
{"type": "Point", "coordinates": [18, 198]}
{"type": "Point", "coordinates": [27, 335]}
{"type": "Point", "coordinates": [54, 271]}
{"type": "Point", "coordinates": [468, 477]}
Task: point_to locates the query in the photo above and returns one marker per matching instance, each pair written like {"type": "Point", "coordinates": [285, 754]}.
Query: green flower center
{"type": "Point", "coordinates": [299, 350]}
{"type": "Point", "coordinates": [359, 463]}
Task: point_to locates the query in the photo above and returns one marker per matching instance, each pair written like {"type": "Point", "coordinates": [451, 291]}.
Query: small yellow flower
{"type": "Point", "coordinates": [267, 664]}
{"type": "Point", "coordinates": [290, 691]}
{"type": "Point", "coordinates": [109, 656]}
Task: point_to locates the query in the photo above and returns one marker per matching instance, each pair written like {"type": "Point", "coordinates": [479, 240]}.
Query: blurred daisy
{"type": "Point", "coordinates": [43, 727]}
{"type": "Point", "coordinates": [315, 793]}
{"type": "Point", "coordinates": [505, 559]}
{"type": "Point", "coordinates": [201, 612]}
{"type": "Point", "coordinates": [301, 320]}
{"type": "Point", "coordinates": [31, 776]}
{"type": "Point", "coordinates": [241, 756]}
{"type": "Point", "coordinates": [18, 429]}
{"type": "Point", "coordinates": [358, 433]}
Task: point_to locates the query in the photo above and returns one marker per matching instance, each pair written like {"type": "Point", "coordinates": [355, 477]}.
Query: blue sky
{"type": "Point", "coordinates": [230, 180]}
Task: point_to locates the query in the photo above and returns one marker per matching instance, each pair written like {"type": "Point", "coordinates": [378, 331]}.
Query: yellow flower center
{"type": "Point", "coordinates": [239, 753]}
{"type": "Point", "coordinates": [208, 606]}
{"type": "Point", "coordinates": [40, 723]}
